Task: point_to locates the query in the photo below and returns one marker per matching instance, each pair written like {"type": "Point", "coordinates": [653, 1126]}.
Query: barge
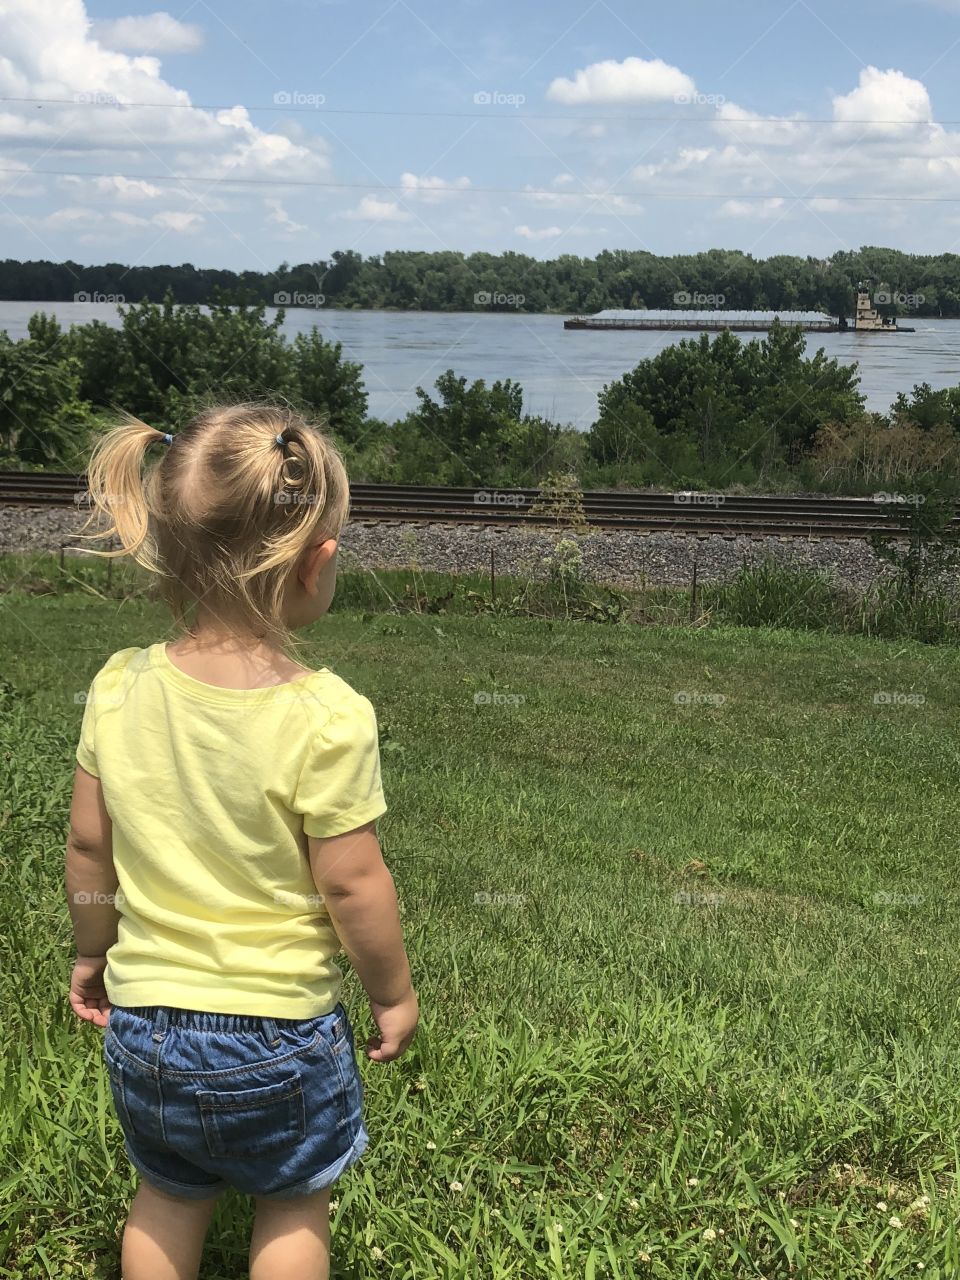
{"type": "Point", "coordinates": [713, 320]}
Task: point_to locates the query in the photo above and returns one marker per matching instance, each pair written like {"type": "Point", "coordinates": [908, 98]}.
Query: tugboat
{"type": "Point", "coordinates": [869, 320]}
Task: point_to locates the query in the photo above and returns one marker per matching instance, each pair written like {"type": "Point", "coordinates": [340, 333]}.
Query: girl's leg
{"type": "Point", "coordinates": [291, 1238]}
{"type": "Point", "coordinates": [164, 1236]}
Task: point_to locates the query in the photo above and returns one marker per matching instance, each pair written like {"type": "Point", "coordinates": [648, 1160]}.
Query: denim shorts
{"type": "Point", "coordinates": [273, 1108]}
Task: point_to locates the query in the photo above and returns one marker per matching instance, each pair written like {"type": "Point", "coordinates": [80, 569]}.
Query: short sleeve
{"type": "Point", "coordinates": [104, 690]}
{"type": "Point", "coordinates": [86, 755]}
{"type": "Point", "coordinates": [339, 787]}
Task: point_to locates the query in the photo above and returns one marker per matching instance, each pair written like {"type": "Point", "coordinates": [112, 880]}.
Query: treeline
{"type": "Point", "coordinates": [708, 414]}
{"type": "Point", "coordinates": [921, 284]}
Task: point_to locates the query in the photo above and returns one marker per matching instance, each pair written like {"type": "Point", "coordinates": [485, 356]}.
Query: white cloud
{"type": "Point", "coordinates": [760, 164]}
{"type": "Point", "coordinates": [553, 199]}
{"type": "Point", "coordinates": [685, 158]}
{"type": "Point", "coordinates": [410, 182]}
{"type": "Point", "coordinates": [69, 216]}
{"type": "Point", "coordinates": [48, 52]}
{"type": "Point", "coordinates": [431, 190]}
{"type": "Point", "coordinates": [22, 182]}
{"type": "Point", "coordinates": [633, 80]}
{"type": "Point", "coordinates": [117, 186]}
{"type": "Point", "coordinates": [373, 209]}
{"type": "Point", "coordinates": [279, 215]}
{"type": "Point", "coordinates": [830, 205]}
{"type": "Point", "coordinates": [178, 220]}
{"type": "Point", "coordinates": [540, 233]}
{"type": "Point", "coordinates": [750, 126]}
{"type": "Point", "coordinates": [752, 208]}
{"type": "Point", "coordinates": [76, 216]}
{"type": "Point", "coordinates": [592, 200]}
{"type": "Point", "coordinates": [885, 97]}
{"type": "Point", "coordinates": [149, 33]}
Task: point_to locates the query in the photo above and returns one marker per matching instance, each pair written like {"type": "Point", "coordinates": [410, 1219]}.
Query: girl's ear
{"type": "Point", "coordinates": [313, 561]}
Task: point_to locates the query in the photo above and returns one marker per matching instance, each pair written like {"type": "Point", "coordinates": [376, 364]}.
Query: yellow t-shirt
{"type": "Point", "coordinates": [212, 793]}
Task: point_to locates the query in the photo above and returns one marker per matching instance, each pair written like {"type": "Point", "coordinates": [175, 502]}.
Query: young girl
{"type": "Point", "coordinates": [223, 847]}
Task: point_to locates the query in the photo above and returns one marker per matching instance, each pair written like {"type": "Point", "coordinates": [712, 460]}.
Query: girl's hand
{"type": "Point", "coordinates": [88, 995]}
{"type": "Point", "coordinates": [396, 1025]}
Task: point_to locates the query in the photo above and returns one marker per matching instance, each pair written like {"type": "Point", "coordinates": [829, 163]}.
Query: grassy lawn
{"type": "Point", "coordinates": [683, 917]}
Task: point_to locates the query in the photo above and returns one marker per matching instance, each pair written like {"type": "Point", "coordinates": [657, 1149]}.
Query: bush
{"type": "Point", "coordinates": [869, 453]}
{"type": "Point", "coordinates": [762, 400]}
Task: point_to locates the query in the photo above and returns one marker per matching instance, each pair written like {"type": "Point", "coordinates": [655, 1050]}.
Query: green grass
{"type": "Point", "coordinates": [721, 947]}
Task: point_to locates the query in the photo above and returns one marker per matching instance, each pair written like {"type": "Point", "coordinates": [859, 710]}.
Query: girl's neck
{"type": "Point", "coordinates": [231, 660]}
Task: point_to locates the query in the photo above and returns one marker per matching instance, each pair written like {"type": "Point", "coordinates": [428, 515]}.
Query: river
{"type": "Point", "coordinates": [561, 371]}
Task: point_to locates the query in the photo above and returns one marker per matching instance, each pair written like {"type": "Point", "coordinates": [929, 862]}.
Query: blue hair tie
{"type": "Point", "coordinates": [280, 441]}
{"type": "Point", "coordinates": [168, 438]}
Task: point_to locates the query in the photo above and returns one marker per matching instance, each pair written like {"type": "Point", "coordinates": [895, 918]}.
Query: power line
{"type": "Point", "coordinates": [466, 191]}
{"type": "Point", "coordinates": [108, 102]}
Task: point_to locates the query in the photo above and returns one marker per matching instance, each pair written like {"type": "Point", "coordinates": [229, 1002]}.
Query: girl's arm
{"type": "Point", "coordinates": [361, 900]}
{"type": "Point", "coordinates": [91, 885]}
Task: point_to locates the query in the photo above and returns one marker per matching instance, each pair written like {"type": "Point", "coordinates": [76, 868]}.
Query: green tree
{"type": "Point", "coordinates": [329, 384]}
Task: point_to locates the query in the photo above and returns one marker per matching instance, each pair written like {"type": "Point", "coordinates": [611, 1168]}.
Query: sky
{"type": "Point", "coordinates": [247, 134]}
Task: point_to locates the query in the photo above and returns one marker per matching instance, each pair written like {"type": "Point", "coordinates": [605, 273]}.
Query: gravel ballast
{"type": "Point", "coordinates": [615, 558]}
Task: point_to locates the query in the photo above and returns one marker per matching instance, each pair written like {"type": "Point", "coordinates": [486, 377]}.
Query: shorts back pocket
{"type": "Point", "coordinates": [250, 1122]}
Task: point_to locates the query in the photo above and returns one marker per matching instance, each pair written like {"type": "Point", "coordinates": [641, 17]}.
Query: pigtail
{"type": "Point", "coordinates": [118, 491]}
{"type": "Point", "coordinates": [306, 480]}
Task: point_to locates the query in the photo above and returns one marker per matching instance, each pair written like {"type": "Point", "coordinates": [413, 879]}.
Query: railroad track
{"type": "Point", "coordinates": [697, 514]}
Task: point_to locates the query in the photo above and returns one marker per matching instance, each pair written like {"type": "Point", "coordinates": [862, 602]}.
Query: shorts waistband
{"type": "Point", "coordinates": [162, 1017]}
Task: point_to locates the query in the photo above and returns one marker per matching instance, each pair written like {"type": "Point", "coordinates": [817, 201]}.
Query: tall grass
{"type": "Point", "coordinates": [769, 594]}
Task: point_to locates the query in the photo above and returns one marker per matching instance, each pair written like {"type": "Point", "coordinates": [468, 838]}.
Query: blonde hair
{"type": "Point", "coordinates": [223, 516]}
